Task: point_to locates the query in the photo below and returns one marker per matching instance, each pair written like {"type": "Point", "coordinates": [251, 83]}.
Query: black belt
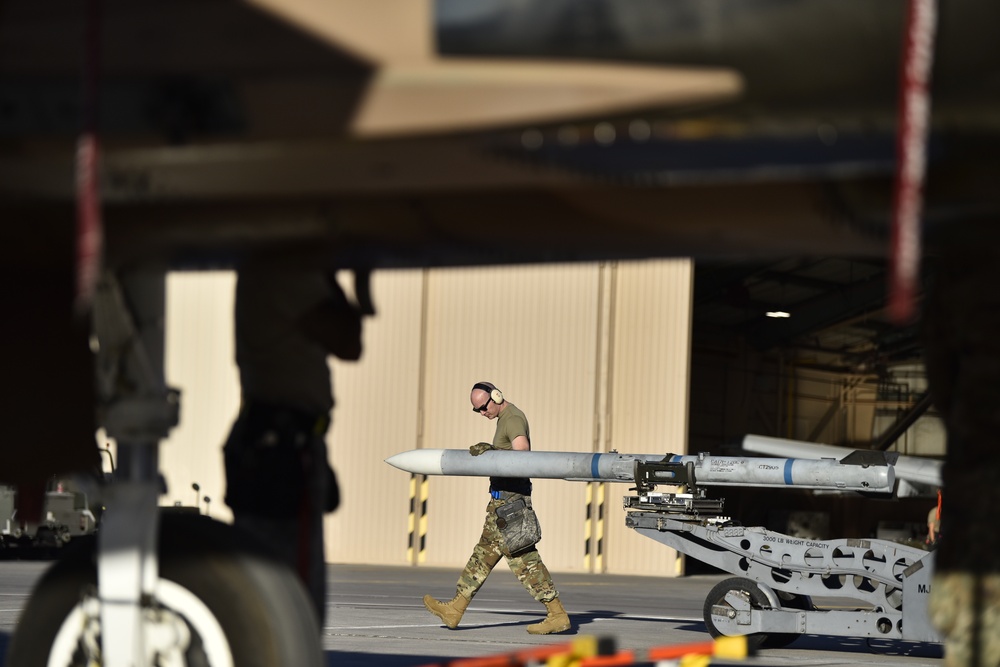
{"type": "Point", "coordinates": [280, 416]}
{"type": "Point", "coordinates": [506, 495]}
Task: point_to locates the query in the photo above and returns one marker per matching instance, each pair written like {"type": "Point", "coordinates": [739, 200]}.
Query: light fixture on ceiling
{"type": "Point", "coordinates": [780, 311]}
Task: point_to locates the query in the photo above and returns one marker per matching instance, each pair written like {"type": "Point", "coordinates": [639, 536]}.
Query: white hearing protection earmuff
{"type": "Point", "coordinates": [495, 394]}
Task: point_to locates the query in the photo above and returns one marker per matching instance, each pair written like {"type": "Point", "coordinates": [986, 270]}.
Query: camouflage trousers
{"type": "Point", "coordinates": [527, 565]}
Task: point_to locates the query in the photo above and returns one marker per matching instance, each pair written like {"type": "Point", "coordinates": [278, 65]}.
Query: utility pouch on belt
{"type": "Point", "coordinates": [518, 525]}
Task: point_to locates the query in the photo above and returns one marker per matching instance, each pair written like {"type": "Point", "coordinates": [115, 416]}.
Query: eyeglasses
{"type": "Point", "coordinates": [482, 408]}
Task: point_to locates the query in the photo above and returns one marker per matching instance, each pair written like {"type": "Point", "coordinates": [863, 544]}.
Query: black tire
{"type": "Point", "coordinates": [263, 612]}
{"type": "Point", "coordinates": [717, 596]}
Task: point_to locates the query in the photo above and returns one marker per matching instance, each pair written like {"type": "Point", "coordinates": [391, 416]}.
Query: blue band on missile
{"type": "Point", "coordinates": [788, 470]}
{"type": "Point", "coordinates": [676, 458]}
{"type": "Point", "coordinates": [594, 467]}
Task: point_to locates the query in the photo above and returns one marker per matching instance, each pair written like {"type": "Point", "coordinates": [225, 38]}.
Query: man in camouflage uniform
{"type": "Point", "coordinates": [512, 433]}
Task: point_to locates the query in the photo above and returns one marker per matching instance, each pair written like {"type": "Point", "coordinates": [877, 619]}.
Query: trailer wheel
{"type": "Point", "coordinates": [237, 605]}
{"type": "Point", "coordinates": [717, 596]}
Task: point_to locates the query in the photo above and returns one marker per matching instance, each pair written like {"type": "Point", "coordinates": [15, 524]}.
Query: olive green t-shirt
{"type": "Point", "coordinates": [510, 423]}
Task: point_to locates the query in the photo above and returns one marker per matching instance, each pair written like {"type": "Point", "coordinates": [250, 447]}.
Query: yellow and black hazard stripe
{"type": "Point", "coordinates": [599, 529]}
{"type": "Point", "coordinates": [587, 526]}
{"type": "Point", "coordinates": [593, 529]}
{"type": "Point", "coordinates": [417, 523]}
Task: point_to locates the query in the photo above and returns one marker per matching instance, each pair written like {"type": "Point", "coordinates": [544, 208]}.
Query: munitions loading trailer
{"type": "Point", "coordinates": [882, 586]}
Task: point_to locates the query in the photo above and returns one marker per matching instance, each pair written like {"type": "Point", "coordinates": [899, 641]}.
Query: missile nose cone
{"type": "Point", "coordinates": [417, 461]}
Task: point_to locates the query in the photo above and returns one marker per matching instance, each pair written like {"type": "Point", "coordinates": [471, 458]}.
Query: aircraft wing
{"type": "Point", "coordinates": [414, 90]}
{"type": "Point", "coordinates": [715, 130]}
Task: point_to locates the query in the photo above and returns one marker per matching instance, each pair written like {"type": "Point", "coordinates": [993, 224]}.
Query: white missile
{"type": "Point", "coordinates": [910, 468]}
{"type": "Point", "coordinates": [574, 466]}
{"type": "Point", "coordinates": [613, 467]}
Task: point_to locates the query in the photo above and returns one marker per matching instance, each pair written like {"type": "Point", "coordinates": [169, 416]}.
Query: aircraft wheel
{"type": "Point", "coordinates": [717, 596]}
{"type": "Point", "coordinates": [221, 600]}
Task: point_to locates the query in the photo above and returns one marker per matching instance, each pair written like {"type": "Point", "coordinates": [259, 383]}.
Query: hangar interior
{"type": "Point", "coordinates": [835, 370]}
{"type": "Point", "coordinates": [822, 316]}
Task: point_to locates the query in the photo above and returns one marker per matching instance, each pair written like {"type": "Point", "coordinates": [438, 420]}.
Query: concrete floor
{"type": "Point", "coordinates": [375, 617]}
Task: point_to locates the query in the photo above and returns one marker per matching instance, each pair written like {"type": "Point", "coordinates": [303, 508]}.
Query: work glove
{"type": "Point", "coordinates": [479, 448]}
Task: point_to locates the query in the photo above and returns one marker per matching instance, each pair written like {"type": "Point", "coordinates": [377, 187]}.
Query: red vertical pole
{"type": "Point", "coordinates": [918, 52]}
{"type": "Point", "coordinates": [89, 228]}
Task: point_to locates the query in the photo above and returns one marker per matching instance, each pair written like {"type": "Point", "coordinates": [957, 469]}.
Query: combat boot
{"type": "Point", "coordinates": [557, 620]}
{"type": "Point", "coordinates": [449, 612]}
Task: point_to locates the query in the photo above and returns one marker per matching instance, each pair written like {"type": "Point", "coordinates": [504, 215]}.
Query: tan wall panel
{"type": "Point", "coordinates": [531, 331]}
{"type": "Point", "coordinates": [375, 417]}
{"type": "Point", "coordinates": [200, 361]}
{"type": "Point", "coordinates": [817, 392]}
{"type": "Point", "coordinates": [649, 395]}
{"type": "Point", "coordinates": [927, 436]}
{"type": "Point", "coordinates": [814, 395]}
{"type": "Point", "coordinates": [861, 416]}
{"type": "Point", "coordinates": [562, 512]}
{"type": "Point", "coordinates": [534, 331]}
